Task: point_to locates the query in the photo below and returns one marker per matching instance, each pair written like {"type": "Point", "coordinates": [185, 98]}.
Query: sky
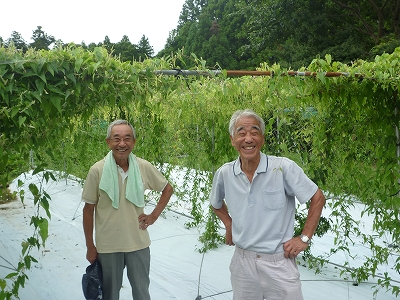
{"type": "Point", "coordinates": [90, 21]}
{"type": "Point", "coordinates": [178, 271]}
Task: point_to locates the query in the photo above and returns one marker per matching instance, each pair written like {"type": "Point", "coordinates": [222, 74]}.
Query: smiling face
{"type": "Point", "coordinates": [248, 139]}
{"type": "Point", "coordinates": [121, 142]}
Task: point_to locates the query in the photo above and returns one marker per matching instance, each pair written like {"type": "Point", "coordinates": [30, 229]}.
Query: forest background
{"type": "Point", "coordinates": [57, 99]}
{"type": "Point", "coordinates": [233, 34]}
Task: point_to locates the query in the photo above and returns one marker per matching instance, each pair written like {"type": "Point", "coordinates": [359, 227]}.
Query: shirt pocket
{"type": "Point", "coordinates": [274, 200]}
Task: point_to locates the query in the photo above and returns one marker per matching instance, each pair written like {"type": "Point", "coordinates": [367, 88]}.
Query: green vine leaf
{"type": "Point", "coordinates": [21, 120]}
{"type": "Point", "coordinates": [56, 102]}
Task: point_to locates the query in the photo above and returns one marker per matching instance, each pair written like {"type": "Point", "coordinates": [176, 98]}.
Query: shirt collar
{"type": "Point", "coordinates": [262, 166]}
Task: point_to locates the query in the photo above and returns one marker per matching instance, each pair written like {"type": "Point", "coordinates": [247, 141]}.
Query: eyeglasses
{"type": "Point", "coordinates": [118, 139]}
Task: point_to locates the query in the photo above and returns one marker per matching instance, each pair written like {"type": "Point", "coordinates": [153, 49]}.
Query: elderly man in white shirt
{"type": "Point", "coordinates": [254, 196]}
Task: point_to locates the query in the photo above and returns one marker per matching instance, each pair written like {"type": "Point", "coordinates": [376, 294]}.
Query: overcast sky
{"type": "Point", "coordinates": [90, 21]}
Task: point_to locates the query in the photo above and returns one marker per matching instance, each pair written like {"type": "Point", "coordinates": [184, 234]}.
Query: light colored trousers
{"type": "Point", "coordinates": [258, 276]}
{"type": "Point", "coordinates": [138, 269]}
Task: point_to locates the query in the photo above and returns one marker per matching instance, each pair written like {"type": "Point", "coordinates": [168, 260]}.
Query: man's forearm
{"type": "Point", "coordinates": [223, 214]}
{"type": "Point", "coordinates": [163, 201]}
{"type": "Point", "coordinates": [314, 214]}
{"type": "Point", "coordinates": [88, 225]}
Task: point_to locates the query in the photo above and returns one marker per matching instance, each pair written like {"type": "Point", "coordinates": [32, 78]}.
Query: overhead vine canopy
{"type": "Point", "coordinates": [343, 130]}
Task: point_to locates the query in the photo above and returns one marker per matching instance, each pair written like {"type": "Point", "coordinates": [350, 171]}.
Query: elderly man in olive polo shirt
{"type": "Point", "coordinates": [114, 207]}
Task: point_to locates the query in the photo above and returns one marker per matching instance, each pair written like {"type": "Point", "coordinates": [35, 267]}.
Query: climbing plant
{"type": "Point", "coordinates": [337, 121]}
{"type": "Point", "coordinates": [45, 97]}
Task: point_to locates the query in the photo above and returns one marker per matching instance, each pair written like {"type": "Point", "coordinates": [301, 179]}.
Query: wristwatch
{"type": "Point", "coordinates": [305, 239]}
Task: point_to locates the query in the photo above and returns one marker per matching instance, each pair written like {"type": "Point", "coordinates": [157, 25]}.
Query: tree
{"type": "Point", "coordinates": [376, 20]}
{"type": "Point", "coordinates": [171, 44]}
{"type": "Point", "coordinates": [144, 48]}
{"type": "Point", "coordinates": [347, 30]}
{"type": "Point", "coordinates": [246, 33]}
{"type": "Point", "coordinates": [225, 27]}
{"type": "Point", "coordinates": [186, 35]}
{"type": "Point", "coordinates": [292, 33]}
{"type": "Point", "coordinates": [211, 30]}
{"type": "Point", "coordinates": [18, 42]}
{"type": "Point", "coordinates": [125, 49]}
{"type": "Point", "coordinates": [373, 18]}
{"type": "Point", "coordinates": [107, 44]}
{"type": "Point", "coordinates": [41, 40]}
{"type": "Point", "coordinates": [190, 11]}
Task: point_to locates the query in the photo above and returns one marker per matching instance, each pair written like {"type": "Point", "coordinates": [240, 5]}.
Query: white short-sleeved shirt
{"type": "Point", "coordinates": [263, 210]}
{"type": "Point", "coordinates": [117, 230]}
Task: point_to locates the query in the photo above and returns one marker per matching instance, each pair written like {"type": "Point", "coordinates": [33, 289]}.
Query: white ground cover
{"type": "Point", "coordinates": [178, 270]}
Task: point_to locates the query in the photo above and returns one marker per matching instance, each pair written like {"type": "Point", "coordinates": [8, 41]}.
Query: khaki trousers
{"type": "Point", "coordinates": [258, 276]}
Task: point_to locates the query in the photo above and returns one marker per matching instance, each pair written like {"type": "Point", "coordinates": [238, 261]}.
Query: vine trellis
{"type": "Point", "coordinates": [339, 122]}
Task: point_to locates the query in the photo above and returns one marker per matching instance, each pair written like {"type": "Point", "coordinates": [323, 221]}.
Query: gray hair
{"type": "Point", "coordinates": [245, 113]}
{"type": "Point", "coordinates": [119, 122]}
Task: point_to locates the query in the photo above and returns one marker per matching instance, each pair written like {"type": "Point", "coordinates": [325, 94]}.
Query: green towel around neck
{"type": "Point", "coordinates": [134, 185]}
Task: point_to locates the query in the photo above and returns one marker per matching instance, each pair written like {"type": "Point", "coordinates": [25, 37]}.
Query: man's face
{"type": "Point", "coordinates": [248, 138]}
{"type": "Point", "coordinates": [121, 141]}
